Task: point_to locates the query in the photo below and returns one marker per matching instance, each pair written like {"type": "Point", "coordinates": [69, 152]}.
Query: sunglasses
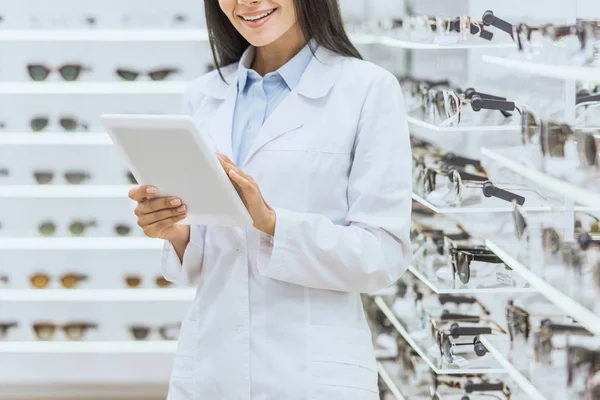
{"type": "Point", "coordinates": [76, 228]}
{"type": "Point", "coordinates": [5, 327]}
{"type": "Point", "coordinates": [166, 332]}
{"type": "Point", "coordinates": [72, 177]}
{"type": "Point", "coordinates": [69, 124]}
{"type": "Point", "coordinates": [135, 281]}
{"type": "Point", "coordinates": [447, 348]}
{"type": "Point", "coordinates": [461, 257]}
{"type": "Point", "coordinates": [69, 72]}
{"type": "Point", "coordinates": [67, 281]}
{"type": "Point", "coordinates": [73, 330]}
{"type": "Point", "coordinates": [155, 75]}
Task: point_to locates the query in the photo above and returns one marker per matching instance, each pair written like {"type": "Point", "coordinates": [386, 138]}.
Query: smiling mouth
{"type": "Point", "coordinates": [255, 18]}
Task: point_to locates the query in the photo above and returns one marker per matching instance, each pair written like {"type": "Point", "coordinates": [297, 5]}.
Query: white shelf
{"type": "Point", "coordinates": [488, 205]}
{"type": "Point", "coordinates": [475, 44]}
{"type": "Point", "coordinates": [439, 289]}
{"type": "Point", "coordinates": [64, 191]}
{"type": "Point", "coordinates": [572, 308]}
{"type": "Point", "coordinates": [56, 138]}
{"type": "Point", "coordinates": [576, 193]}
{"type": "Point", "coordinates": [461, 128]}
{"type": "Point", "coordinates": [109, 87]}
{"type": "Point", "coordinates": [389, 381]}
{"type": "Point", "coordinates": [499, 349]}
{"type": "Point", "coordinates": [103, 35]}
{"type": "Point", "coordinates": [98, 295]}
{"type": "Point", "coordinates": [81, 243]}
{"type": "Point", "coordinates": [422, 353]}
{"type": "Point", "coordinates": [566, 72]}
{"type": "Point", "coordinates": [90, 347]}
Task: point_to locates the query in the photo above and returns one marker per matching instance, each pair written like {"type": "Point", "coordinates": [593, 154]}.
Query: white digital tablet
{"type": "Point", "coordinates": [169, 152]}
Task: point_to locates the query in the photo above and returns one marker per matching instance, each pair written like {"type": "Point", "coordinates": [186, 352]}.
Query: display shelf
{"type": "Point", "coordinates": [489, 205]}
{"type": "Point", "coordinates": [64, 191]}
{"type": "Point", "coordinates": [461, 128]}
{"type": "Point", "coordinates": [80, 243]}
{"type": "Point", "coordinates": [385, 376]}
{"type": "Point", "coordinates": [103, 35]}
{"type": "Point", "coordinates": [79, 391]}
{"type": "Point", "coordinates": [109, 87]}
{"type": "Point", "coordinates": [422, 352]}
{"type": "Point", "coordinates": [577, 193]}
{"type": "Point", "coordinates": [499, 350]}
{"type": "Point", "coordinates": [98, 295]}
{"type": "Point", "coordinates": [446, 288]}
{"type": "Point", "coordinates": [566, 72]}
{"type": "Point", "coordinates": [55, 138]}
{"type": "Point", "coordinates": [414, 45]}
{"type": "Point", "coordinates": [571, 307]}
{"type": "Point", "coordinates": [90, 347]}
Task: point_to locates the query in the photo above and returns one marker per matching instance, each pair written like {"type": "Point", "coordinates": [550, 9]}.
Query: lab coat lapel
{"type": "Point", "coordinates": [222, 123]}
{"type": "Point", "coordinates": [291, 114]}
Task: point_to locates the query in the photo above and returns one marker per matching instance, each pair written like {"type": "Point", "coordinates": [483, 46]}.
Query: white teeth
{"type": "Point", "coordinates": [257, 17]}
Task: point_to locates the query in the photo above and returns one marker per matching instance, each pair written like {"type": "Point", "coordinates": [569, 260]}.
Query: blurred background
{"type": "Point", "coordinates": [84, 312]}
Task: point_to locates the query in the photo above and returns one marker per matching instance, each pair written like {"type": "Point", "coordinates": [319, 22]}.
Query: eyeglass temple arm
{"type": "Point", "coordinates": [489, 190]}
{"type": "Point", "coordinates": [585, 99]}
{"type": "Point", "coordinates": [470, 331]}
{"type": "Point", "coordinates": [466, 176]}
{"type": "Point", "coordinates": [574, 329]}
{"type": "Point", "coordinates": [490, 19]}
{"type": "Point", "coordinates": [459, 161]}
{"type": "Point", "coordinates": [461, 317]}
{"type": "Point", "coordinates": [479, 103]}
{"type": "Point", "coordinates": [470, 92]}
{"type": "Point", "coordinates": [471, 387]}
{"type": "Point", "coordinates": [448, 298]}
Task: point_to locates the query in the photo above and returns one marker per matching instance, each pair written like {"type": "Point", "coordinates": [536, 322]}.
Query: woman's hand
{"type": "Point", "coordinates": [262, 214]}
{"type": "Point", "coordinates": [157, 216]}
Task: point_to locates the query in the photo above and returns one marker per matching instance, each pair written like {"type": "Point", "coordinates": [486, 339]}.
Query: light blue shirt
{"type": "Point", "coordinates": [259, 96]}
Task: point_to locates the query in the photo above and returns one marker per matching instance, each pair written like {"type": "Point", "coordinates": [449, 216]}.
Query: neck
{"type": "Point", "coordinates": [273, 56]}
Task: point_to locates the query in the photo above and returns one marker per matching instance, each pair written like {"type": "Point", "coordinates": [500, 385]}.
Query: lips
{"type": "Point", "coordinates": [257, 19]}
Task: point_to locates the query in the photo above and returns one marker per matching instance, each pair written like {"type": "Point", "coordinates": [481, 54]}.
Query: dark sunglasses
{"type": "Point", "coordinates": [5, 327]}
{"type": "Point", "coordinates": [73, 330]}
{"type": "Point", "coordinates": [69, 124]}
{"type": "Point", "coordinates": [69, 72]}
{"type": "Point", "coordinates": [72, 177]}
{"type": "Point", "coordinates": [76, 228]}
{"type": "Point", "coordinates": [166, 332]}
{"type": "Point", "coordinates": [461, 258]}
{"type": "Point", "coordinates": [155, 75]}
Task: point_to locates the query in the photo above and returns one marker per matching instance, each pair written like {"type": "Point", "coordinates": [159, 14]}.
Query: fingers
{"type": "Point", "coordinates": [140, 193]}
{"type": "Point", "coordinates": [154, 230]}
{"type": "Point", "coordinates": [157, 204]}
{"type": "Point", "coordinates": [157, 216]}
{"type": "Point", "coordinates": [228, 165]}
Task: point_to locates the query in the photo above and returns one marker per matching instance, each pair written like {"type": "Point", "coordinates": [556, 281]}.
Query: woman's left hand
{"type": "Point", "coordinates": [262, 214]}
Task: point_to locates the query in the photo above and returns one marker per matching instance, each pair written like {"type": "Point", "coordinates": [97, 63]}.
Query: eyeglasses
{"type": "Point", "coordinates": [167, 332]}
{"type": "Point", "coordinates": [69, 72]}
{"type": "Point", "coordinates": [447, 316]}
{"type": "Point", "coordinates": [5, 327]}
{"type": "Point", "coordinates": [461, 257]}
{"type": "Point", "coordinates": [470, 383]}
{"type": "Point", "coordinates": [122, 229]}
{"type": "Point", "coordinates": [4, 279]}
{"type": "Point", "coordinates": [72, 177]}
{"type": "Point", "coordinates": [68, 281]}
{"type": "Point", "coordinates": [76, 228]}
{"type": "Point", "coordinates": [447, 347]}
{"type": "Point", "coordinates": [463, 25]}
{"type": "Point", "coordinates": [69, 124]}
{"type": "Point", "coordinates": [542, 338]}
{"type": "Point", "coordinates": [155, 75]}
{"type": "Point", "coordinates": [73, 330]}
{"type": "Point", "coordinates": [135, 281]}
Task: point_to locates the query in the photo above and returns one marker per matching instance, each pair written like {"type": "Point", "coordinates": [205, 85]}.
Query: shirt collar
{"type": "Point", "coordinates": [291, 72]}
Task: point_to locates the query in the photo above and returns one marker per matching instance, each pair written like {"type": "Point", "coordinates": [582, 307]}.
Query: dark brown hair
{"type": "Point", "coordinates": [320, 20]}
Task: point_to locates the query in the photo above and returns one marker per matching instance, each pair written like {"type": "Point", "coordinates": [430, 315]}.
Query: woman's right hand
{"type": "Point", "coordinates": [158, 216]}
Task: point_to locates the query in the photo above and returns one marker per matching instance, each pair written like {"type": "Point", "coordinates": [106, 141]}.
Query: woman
{"type": "Point", "coordinates": [322, 162]}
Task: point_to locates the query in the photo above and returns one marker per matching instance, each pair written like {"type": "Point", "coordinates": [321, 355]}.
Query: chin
{"type": "Point", "coordinates": [261, 40]}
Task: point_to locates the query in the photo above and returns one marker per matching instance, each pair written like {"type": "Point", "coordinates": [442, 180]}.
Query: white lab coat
{"type": "Point", "coordinates": [281, 318]}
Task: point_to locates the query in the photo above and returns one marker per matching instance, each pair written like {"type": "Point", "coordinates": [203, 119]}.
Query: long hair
{"type": "Point", "coordinates": [320, 20]}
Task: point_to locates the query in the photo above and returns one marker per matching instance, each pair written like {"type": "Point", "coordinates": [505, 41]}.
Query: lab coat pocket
{"type": "Point", "coordinates": [342, 363]}
{"type": "Point", "coordinates": [181, 386]}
